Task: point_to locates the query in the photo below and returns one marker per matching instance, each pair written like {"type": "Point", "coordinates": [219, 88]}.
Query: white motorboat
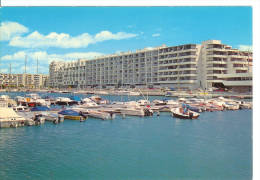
{"type": "Point", "coordinates": [137, 111]}
{"type": "Point", "coordinates": [63, 101]}
{"type": "Point", "coordinates": [9, 118]}
{"type": "Point", "coordinates": [53, 117]}
{"type": "Point", "coordinates": [20, 108]}
{"type": "Point", "coordinates": [132, 93]}
{"type": "Point", "coordinates": [143, 102]}
{"type": "Point", "coordinates": [94, 113]}
{"type": "Point", "coordinates": [179, 113]}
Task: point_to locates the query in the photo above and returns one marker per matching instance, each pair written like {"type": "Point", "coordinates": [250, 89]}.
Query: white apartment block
{"type": "Point", "coordinates": [24, 80]}
{"type": "Point", "coordinates": [189, 66]}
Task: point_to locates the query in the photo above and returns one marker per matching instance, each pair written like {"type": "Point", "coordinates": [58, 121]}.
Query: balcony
{"type": "Point", "coordinates": [240, 62]}
{"type": "Point", "coordinates": [216, 55]}
{"type": "Point", "coordinates": [217, 68]}
{"type": "Point", "coordinates": [237, 83]}
{"type": "Point", "coordinates": [216, 62]}
{"type": "Point", "coordinates": [178, 81]}
{"type": "Point", "coordinates": [240, 68]}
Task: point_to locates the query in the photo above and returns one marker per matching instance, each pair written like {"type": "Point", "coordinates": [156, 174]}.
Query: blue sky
{"type": "Point", "coordinates": [69, 33]}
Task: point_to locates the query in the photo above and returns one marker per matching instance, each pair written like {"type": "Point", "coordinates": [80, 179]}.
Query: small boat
{"type": "Point", "coordinates": [10, 102]}
{"type": "Point", "coordinates": [75, 100]}
{"type": "Point", "coordinates": [9, 118]}
{"type": "Point", "coordinates": [231, 106]}
{"type": "Point", "coordinates": [172, 102]}
{"type": "Point", "coordinates": [179, 113]}
{"type": "Point", "coordinates": [245, 105]}
{"type": "Point", "coordinates": [64, 101]}
{"type": "Point", "coordinates": [36, 118]}
{"type": "Point", "coordinates": [32, 100]}
{"type": "Point", "coordinates": [102, 92]}
{"type": "Point", "coordinates": [143, 102]}
{"type": "Point", "coordinates": [132, 93]}
{"type": "Point", "coordinates": [89, 105]}
{"type": "Point", "coordinates": [20, 108]}
{"type": "Point", "coordinates": [195, 109]}
{"type": "Point", "coordinates": [101, 115]}
{"type": "Point", "coordinates": [96, 98]}
{"type": "Point", "coordinates": [137, 111]}
{"type": "Point", "coordinates": [53, 117]}
{"type": "Point", "coordinates": [72, 115]}
{"type": "Point", "coordinates": [158, 102]}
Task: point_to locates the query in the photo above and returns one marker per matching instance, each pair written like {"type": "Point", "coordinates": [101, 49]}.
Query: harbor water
{"type": "Point", "coordinates": [217, 146]}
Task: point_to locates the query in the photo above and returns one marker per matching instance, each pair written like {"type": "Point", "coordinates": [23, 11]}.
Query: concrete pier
{"type": "Point", "coordinates": [16, 123]}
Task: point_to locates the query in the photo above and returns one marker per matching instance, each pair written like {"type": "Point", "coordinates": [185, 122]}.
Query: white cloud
{"type": "Point", "coordinates": [5, 70]}
{"type": "Point", "coordinates": [15, 56]}
{"type": "Point", "coordinates": [149, 48]}
{"type": "Point", "coordinates": [88, 55]}
{"type": "Point", "coordinates": [156, 35]}
{"type": "Point", "coordinates": [44, 56]}
{"type": "Point", "coordinates": [245, 48]}
{"type": "Point", "coordinates": [17, 59]}
{"type": "Point", "coordinates": [62, 40]}
{"type": "Point", "coordinates": [9, 30]}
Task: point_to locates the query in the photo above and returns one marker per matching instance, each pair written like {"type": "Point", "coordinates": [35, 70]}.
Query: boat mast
{"type": "Point", "coordinates": [25, 61]}
{"type": "Point", "coordinates": [36, 73]}
{"type": "Point", "coordinates": [37, 66]}
{"type": "Point", "coordinates": [10, 71]}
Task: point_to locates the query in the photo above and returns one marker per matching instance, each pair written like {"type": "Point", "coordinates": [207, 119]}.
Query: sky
{"type": "Point", "coordinates": [71, 33]}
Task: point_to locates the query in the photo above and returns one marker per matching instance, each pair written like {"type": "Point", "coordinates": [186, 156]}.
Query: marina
{"type": "Point", "coordinates": [217, 140]}
{"type": "Point", "coordinates": [58, 106]}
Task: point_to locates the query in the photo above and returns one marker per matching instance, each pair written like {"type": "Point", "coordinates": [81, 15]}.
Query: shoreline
{"type": "Point", "coordinates": [141, 92]}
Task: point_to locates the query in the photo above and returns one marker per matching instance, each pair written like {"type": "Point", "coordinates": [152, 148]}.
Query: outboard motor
{"type": "Point", "coordinates": [38, 119]}
{"type": "Point", "coordinates": [148, 112]}
{"type": "Point", "coordinates": [191, 115]}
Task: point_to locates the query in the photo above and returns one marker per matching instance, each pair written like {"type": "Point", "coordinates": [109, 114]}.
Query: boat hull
{"type": "Point", "coordinates": [184, 117]}
{"type": "Point", "coordinates": [190, 114]}
{"type": "Point", "coordinates": [74, 117]}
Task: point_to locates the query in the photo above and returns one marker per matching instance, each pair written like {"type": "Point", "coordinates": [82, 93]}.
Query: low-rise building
{"type": "Point", "coordinates": [24, 80]}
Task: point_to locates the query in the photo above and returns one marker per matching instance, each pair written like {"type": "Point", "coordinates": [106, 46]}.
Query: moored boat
{"type": "Point", "coordinates": [53, 117]}
{"type": "Point", "coordinates": [72, 115]}
{"type": "Point", "coordinates": [180, 113]}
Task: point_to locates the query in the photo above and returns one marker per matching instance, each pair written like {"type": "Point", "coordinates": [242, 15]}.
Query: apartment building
{"type": "Point", "coordinates": [219, 64]}
{"type": "Point", "coordinates": [24, 80]}
{"type": "Point", "coordinates": [188, 66]}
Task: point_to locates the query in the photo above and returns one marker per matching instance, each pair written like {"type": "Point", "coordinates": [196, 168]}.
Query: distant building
{"type": "Point", "coordinates": [24, 80]}
{"type": "Point", "coordinates": [189, 66]}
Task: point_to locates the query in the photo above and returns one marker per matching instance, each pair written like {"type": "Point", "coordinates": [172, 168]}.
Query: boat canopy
{"type": "Point", "coordinates": [69, 112]}
{"type": "Point", "coordinates": [75, 98]}
{"type": "Point", "coordinates": [40, 108]}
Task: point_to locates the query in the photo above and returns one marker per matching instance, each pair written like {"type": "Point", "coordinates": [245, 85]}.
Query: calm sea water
{"type": "Point", "coordinates": [216, 146]}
